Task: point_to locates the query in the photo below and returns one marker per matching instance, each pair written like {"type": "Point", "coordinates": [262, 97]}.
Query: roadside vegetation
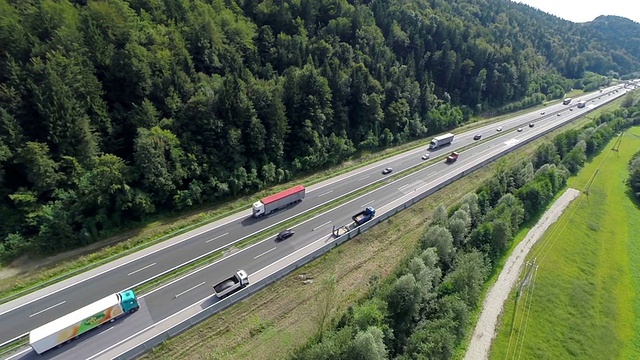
{"type": "Point", "coordinates": [426, 306]}
{"type": "Point", "coordinates": [583, 300]}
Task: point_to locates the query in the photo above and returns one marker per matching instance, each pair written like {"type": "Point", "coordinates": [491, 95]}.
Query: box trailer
{"type": "Point", "coordinates": [441, 140]}
{"type": "Point", "coordinates": [278, 201]}
{"type": "Point", "coordinates": [72, 325]}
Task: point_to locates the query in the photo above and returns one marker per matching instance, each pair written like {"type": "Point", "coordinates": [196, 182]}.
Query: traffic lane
{"type": "Point", "coordinates": [96, 339]}
{"type": "Point", "coordinates": [184, 249]}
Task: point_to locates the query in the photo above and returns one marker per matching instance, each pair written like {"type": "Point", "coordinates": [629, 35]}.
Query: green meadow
{"type": "Point", "coordinates": [581, 302]}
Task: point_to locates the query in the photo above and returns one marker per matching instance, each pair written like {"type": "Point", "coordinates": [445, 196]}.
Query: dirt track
{"type": "Point", "coordinates": [485, 329]}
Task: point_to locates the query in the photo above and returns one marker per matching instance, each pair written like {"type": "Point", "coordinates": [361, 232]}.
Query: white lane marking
{"type": "Point", "coordinates": [327, 193]}
{"type": "Point", "coordinates": [142, 268]}
{"type": "Point", "coordinates": [363, 205]}
{"type": "Point", "coordinates": [265, 253]}
{"type": "Point", "coordinates": [364, 178]}
{"type": "Point", "coordinates": [318, 227]}
{"type": "Point", "coordinates": [189, 289]}
{"type": "Point", "coordinates": [18, 355]}
{"type": "Point", "coordinates": [403, 186]}
{"type": "Point", "coordinates": [49, 308]}
{"type": "Point", "coordinates": [111, 328]}
{"type": "Point", "coordinates": [217, 237]}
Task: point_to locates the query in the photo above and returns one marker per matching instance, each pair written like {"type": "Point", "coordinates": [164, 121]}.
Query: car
{"type": "Point", "coordinates": [284, 234]}
{"type": "Point", "coordinates": [387, 170]}
{"type": "Point", "coordinates": [542, 113]}
{"type": "Point", "coordinates": [571, 109]}
{"type": "Point", "coordinates": [477, 137]}
{"type": "Point", "coordinates": [558, 114]}
{"type": "Point", "coordinates": [519, 129]}
{"type": "Point", "coordinates": [425, 156]}
{"type": "Point", "coordinates": [532, 124]}
{"type": "Point", "coordinates": [499, 128]}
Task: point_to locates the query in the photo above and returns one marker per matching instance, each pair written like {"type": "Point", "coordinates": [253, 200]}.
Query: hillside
{"type": "Point", "coordinates": [113, 111]}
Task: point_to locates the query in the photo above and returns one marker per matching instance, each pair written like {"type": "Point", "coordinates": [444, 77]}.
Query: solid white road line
{"type": "Point", "coordinates": [142, 268]}
{"type": "Point", "coordinates": [217, 237]}
{"type": "Point", "coordinates": [189, 289]}
{"type": "Point", "coordinates": [49, 308]}
{"type": "Point", "coordinates": [264, 253]}
{"type": "Point", "coordinates": [327, 193]}
{"type": "Point", "coordinates": [318, 227]}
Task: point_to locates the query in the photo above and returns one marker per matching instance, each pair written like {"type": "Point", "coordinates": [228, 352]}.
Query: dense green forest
{"type": "Point", "coordinates": [111, 111]}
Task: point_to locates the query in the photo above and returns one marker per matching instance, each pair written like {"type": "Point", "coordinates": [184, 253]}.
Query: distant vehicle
{"type": "Point", "coordinates": [278, 201]}
{"type": "Point", "coordinates": [542, 113]}
{"type": "Point", "coordinates": [72, 325]}
{"type": "Point", "coordinates": [453, 157]}
{"type": "Point", "coordinates": [600, 90]}
{"type": "Point", "coordinates": [285, 234]}
{"type": "Point", "coordinates": [231, 285]}
{"type": "Point", "coordinates": [582, 103]}
{"type": "Point", "coordinates": [363, 216]}
{"type": "Point", "coordinates": [558, 114]}
{"type": "Point", "coordinates": [477, 137]}
{"type": "Point", "coordinates": [425, 156]}
{"type": "Point", "coordinates": [570, 109]}
{"type": "Point", "coordinates": [499, 128]}
{"type": "Point", "coordinates": [519, 129]}
{"type": "Point", "coordinates": [531, 124]}
{"type": "Point", "coordinates": [567, 101]}
{"type": "Point", "coordinates": [387, 170]}
{"type": "Point", "coordinates": [441, 140]}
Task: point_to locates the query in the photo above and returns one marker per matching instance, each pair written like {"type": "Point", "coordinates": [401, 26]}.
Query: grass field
{"type": "Point", "coordinates": [582, 301]}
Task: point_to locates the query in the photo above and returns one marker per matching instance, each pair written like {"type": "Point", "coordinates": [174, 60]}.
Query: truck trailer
{"type": "Point", "coordinates": [231, 285]}
{"type": "Point", "coordinates": [441, 140]}
{"type": "Point", "coordinates": [452, 157]}
{"type": "Point", "coordinates": [72, 325]}
{"type": "Point", "coordinates": [582, 103]}
{"type": "Point", "coordinates": [278, 201]}
{"type": "Point", "coordinates": [567, 101]}
{"type": "Point", "coordinates": [364, 216]}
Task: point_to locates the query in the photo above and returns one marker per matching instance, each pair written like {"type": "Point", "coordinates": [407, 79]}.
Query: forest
{"type": "Point", "coordinates": [115, 111]}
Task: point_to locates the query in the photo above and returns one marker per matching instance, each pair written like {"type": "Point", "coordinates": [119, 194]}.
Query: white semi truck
{"type": "Point", "coordinates": [278, 201]}
{"type": "Point", "coordinates": [72, 325]}
{"type": "Point", "coordinates": [441, 140]}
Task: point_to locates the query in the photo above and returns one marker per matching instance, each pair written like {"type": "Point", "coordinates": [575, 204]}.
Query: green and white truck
{"type": "Point", "coordinates": [72, 325]}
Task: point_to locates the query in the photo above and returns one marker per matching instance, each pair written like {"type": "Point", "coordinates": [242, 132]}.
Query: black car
{"type": "Point", "coordinates": [532, 124]}
{"type": "Point", "coordinates": [477, 137]}
{"type": "Point", "coordinates": [387, 170]}
{"type": "Point", "coordinates": [285, 234]}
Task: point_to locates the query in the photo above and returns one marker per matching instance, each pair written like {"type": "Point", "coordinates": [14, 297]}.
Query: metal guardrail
{"type": "Point", "coordinates": [259, 285]}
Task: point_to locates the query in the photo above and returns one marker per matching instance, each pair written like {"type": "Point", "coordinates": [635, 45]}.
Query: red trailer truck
{"type": "Point", "coordinates": [278, 201]}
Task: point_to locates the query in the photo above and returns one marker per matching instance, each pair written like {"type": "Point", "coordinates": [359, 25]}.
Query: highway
{"type": "Point", "coordinates": [172, 297]}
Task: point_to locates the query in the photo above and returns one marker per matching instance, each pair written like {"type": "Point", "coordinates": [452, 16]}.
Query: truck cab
{"type": "Point", "coordinates": [129, 301]}
{"type": "Point", "coordinates": [258, 209]}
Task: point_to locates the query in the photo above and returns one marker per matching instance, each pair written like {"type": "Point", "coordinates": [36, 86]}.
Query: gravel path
{"type": "Point", "coordinates": [485, 329]}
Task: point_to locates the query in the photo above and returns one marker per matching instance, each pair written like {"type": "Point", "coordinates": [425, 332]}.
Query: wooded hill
{"type": "Point", "coordinates": [111, 111]}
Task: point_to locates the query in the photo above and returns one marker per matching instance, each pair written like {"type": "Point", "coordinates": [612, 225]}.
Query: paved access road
{"type": "Point", "coordinates": [166, 300]}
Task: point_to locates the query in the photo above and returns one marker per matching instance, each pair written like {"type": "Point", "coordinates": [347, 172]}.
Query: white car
{"type": "Point", "coordinates": [499, 128]}
{"type": "Point", "coordinates": [425, 156]}
{"type": "Point", "coordinates": [519, 129]}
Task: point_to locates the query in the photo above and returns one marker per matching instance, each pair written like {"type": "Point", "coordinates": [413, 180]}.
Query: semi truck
{"type": "Point", "coordinates": [278, 201]}
{"type": "Point", "coordinates": [72, 325]}
{"type": "Point", "coordinates": [567, 101]}
{"type": "Point", "coordinates": [363, 216]}
{"type": "Point", "coordinates": [441, 140]}
{"type": "Point", "coordinates": [231, 285]}
{"type": "Point", "coordinates": [582, 103]}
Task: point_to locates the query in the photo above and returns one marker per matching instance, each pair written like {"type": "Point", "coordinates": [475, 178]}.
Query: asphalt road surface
{"type": "Point", "coordinates": [194, 287]}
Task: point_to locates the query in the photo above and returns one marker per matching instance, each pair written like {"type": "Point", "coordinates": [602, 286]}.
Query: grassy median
{"type": "Point", "coordinates": [583, 301]}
